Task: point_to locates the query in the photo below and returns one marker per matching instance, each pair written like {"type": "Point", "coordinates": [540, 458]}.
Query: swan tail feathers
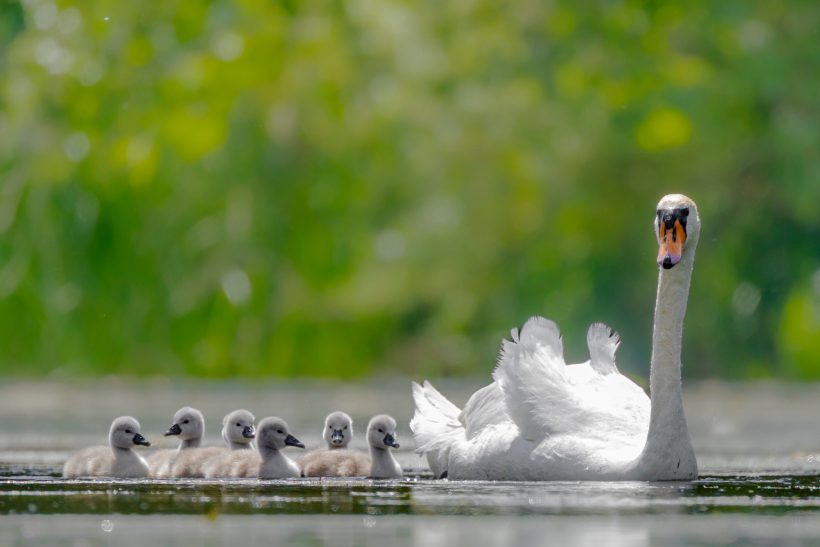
{"type": "Point", "coordinates": [603, 342]}
{"type": "Point", "coordinates": [435, 425]}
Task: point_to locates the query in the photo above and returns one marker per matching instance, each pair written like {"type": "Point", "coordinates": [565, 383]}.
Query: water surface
{"type": "Point", "coordinates": [758, 448]}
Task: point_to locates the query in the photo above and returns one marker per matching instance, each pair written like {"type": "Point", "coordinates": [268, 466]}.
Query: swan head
{"type": "Point", "coordinates": [338, 430]}
{"type": "Point", "coordinates": [381, 432]}
{"type": "Point", "coordinates": [275, 435]}
{"type": "Point", "coordinates": [125, 433]}
{"type": "Point", "coordinates": [188, 424]}
{"type": "Point", "coordinates": [237, 427]}
{"type": "Point", "coordinates": [677, 227]}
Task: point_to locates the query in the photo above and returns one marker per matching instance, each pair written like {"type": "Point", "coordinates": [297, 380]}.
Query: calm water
{"type": "Point", "coordinates": [758, 447]}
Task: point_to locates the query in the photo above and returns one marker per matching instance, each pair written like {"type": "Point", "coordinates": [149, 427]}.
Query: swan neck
{"type": "Point", "coordinates": [668, 450]}
{"type": "Point", "coordinates": [190, 443]}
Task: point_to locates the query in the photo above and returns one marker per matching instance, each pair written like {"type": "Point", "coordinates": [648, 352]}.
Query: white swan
{"type": "Point", "coordinates": [237, 432]}
{"type": "Point", "coordinates": [189, 425]}
{"type": "Point", "coordinates": [115, 460]}
{"type": "Point", "coordinates": [269, 463]}
{"type": "Point", "coordinates": [380, 464]}
{"type": "Point", "coordinates": [544, 420]}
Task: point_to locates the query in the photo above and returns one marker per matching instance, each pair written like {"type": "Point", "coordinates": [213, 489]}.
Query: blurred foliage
{"type": "Point", "coordinates": [339, 188]}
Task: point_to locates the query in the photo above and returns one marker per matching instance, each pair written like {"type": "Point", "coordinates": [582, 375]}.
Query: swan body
{"type": "Point", "coordinates": [189, 425]}
{"type": "Point", "coordinates": [380, 463]}
{"type": "Point", "coordinates": [237, 431]}
{"type": "Point", "coordinates": [115, 460]}
{"type": "Point", "coordinates": [542, 419]}
{"type": "Point", "coordinates": [268, 463]}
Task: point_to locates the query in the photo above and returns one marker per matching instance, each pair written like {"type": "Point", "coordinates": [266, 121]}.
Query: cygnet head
{"type": "Point", "coordinates": [125, 433]}
{"type": "Point", "coordinates": [237, 427]}
{"type": "Point", "coordinates": [188, 424]}
{"type": "Point", "coordinates": [275, 435]}
{"type": "Point", "coordinates": [677, 227]}
{"type": "Point", "coordinates": [338, 430]}
{"type": "Point", "coordinates": [381, 432]}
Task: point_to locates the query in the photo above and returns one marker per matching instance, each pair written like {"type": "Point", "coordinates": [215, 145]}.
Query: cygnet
{"type": "Point", "coordinates": [116, 460]}
{"type": "Point", "coordinates": [189, 425]}
{"type": "Point", "coordinates": [338, 431]}
{"type": "Point", "coordinates": [381, 435]}
{"type": "Point", "coordinates": [269, 463]}
{"type": "Point", "coordinates": [237, 432]}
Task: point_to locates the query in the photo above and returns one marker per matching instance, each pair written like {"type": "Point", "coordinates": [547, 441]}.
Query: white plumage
{"type": "Point", "coordinates": [542, 419]}
{"type": "Point", "coordinates": [115, 460]}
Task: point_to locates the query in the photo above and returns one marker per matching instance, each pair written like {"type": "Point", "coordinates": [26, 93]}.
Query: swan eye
{"type": "Point", "coordinates": [684, 212]}
{"type": "Point", "coordinates": [185, 421]}
{"type": "Point", "coordinates": [330, 427]}
{"type": "Point", "coordinates": [345, 428]}
{"type": "Point", "coordinates": [280, 431]}
{"type": "Point", "coordinates": [238, 424]}
{"type": "Point", "coordinates": [128, 431]}
{"type": "Point", "coordinates": [381, 430]}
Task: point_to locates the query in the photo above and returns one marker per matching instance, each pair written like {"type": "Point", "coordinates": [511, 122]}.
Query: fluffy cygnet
{"type": "Point", "coordinates": [381, 436]}
{"type": "Point", "coordinates": [189, 425]}
{"type": "Point", "coordinates": [116, 460]}
{"type": "Point", "coordinates": [269, 463]}
{"type": "Point", "coordinates": [237, 432]}
{"type": "Point", "coordinates": [338, 431]}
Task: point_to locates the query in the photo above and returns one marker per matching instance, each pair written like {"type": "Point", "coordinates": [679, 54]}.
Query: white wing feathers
{"type": "Point", "coordinates": [485, 407]}
{"type": "Point", "coordinates": [603, 342]}
{"type": "Point", "coordinates": [435, 425]}
{"type": "Point", "coordinates": [536, 393]}
{"type": "Point", "coordinates": [545, 399]}
{"type": "Point", "coordinates": [531, 374]}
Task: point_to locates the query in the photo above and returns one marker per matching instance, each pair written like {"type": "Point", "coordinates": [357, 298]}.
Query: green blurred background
{"type": "Point", "coordinates": [347, 188]}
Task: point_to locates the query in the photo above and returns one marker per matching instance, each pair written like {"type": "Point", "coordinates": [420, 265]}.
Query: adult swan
{"type": "Point", "coordinates": [542, 419]}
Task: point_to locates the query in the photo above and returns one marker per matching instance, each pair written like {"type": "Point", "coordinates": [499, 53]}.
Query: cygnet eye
{"type": "Point", "coordinates": [185, 421]}
{"type": "Point", "coordinates": [238, 424]}
{"type": "Point", "coordinates": [128, 431]}
{"type": "Point", "coordinates": [330, 427]}
{"type": "Point", "coordinates": [280, 431]}
{"type": "Point", "coordinates": [345, 427]}
{"type": "Point", "coordinates": [381, 430]}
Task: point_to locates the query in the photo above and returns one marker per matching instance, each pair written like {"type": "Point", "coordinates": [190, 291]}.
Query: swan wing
{"type": "Point", "coordinates": [545, 397]}
{"type": "Point", "coordinates": [603, 342]}
{"type": "Point", "coordinates": [486, 407]}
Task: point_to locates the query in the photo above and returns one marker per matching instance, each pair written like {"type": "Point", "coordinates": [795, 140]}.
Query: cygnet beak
{"type": "Point", "coordinates": [139, 439]}
{"type": "Point", "coordinates": [338, 437]}
{"type": "Point", "coordinates": [389, 440]}
{"type": "Point", "coordinates": [290, 440]}
{"type": "Point", "coordinates": [249, 432]}
{"type": "Point", "coordinates": [173, 430]}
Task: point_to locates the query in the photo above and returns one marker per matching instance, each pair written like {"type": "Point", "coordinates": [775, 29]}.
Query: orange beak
{"type": "Point", "coordinates": [671, 244]}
